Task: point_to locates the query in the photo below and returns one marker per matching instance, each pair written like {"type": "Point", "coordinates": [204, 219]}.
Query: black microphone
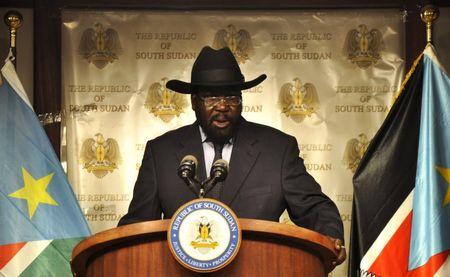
{"type": "Point", "coordinates": [188, 167]}
{"type": "Point", "coordinates": [219, 172]}
{"type": "Point", "coordinates": [187, 171]}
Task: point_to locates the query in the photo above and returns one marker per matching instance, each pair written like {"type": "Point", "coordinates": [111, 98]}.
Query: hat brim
{"type": "Point", "coordinates": [189, 88]}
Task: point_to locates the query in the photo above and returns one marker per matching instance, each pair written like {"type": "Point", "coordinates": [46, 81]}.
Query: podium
{"type": "Point", "coordinates": [267, 249]}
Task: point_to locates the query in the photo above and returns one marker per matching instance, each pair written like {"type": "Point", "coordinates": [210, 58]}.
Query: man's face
{"type": "Point", "coordinates": [218, 112]}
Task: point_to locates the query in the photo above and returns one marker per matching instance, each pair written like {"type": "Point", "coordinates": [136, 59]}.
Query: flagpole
{"type": "Point", "coordinates": [14, 20]}
{"type": "Point", "coordinates": [429, 13]}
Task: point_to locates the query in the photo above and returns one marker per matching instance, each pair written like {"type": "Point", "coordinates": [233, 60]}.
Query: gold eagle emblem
{"type": "Point", "coordinates": [239, 42]}
{"type": "Point", "coordinates": [100, 46]}
{"type": "Point", "coordinates": [163, 102]}
{"type": "Point", "coordinates": [363, 47]}
{"type": "Point", "coordinates": [354, 151]}
{"type": "Point", "coordinates": [204, 240]}
{"type": "Point", "coordinates": [298, 100]}
{"type": "Point", "coordinates": [100, 156]}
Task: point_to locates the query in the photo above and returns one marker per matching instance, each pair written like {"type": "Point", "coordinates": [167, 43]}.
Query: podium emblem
{"type": "Point", "coordinates": [204, 235]}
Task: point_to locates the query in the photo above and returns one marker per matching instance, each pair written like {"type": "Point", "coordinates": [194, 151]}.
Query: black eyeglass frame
{"type": "Point", "coordinates": [212, 101]}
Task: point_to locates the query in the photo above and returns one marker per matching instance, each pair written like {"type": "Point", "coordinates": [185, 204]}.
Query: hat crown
{"type": "Point", "coordinates": [216, 67]}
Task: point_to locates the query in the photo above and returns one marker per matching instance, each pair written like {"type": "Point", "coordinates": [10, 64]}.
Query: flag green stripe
{"type": "Point", "coordinates": [54, 260]}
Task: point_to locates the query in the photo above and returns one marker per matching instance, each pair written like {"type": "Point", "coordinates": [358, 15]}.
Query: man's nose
{"type": "Point", "coordinates": [222, 105]}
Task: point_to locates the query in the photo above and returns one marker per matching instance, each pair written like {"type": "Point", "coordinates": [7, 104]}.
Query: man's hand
{"type": "Point", "coordinates": [342, 255]}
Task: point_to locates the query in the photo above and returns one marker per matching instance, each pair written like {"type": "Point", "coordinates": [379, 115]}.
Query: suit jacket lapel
{"type": "Point", "coordinates": [243, 157]}
{"type": "Point", "coordinates": [191, 144]}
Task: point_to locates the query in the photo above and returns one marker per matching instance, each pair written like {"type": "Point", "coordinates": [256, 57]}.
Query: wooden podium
{"type": "Point", "coordinates": [267, 249]}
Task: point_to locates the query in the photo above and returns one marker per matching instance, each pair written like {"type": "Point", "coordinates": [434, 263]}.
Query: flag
{"type": "Point", "coordinates": [401, 203]}
{"type": "Point", "coordinates": [40, 220]}
{"type": "Point", "coordinates": [431, 205]}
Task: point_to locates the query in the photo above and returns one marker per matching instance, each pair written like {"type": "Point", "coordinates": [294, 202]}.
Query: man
{"type": "Point", "coordinates": [266, 174]}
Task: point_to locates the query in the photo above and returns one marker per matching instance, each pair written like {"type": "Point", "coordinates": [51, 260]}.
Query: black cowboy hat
{"type": "Point", "coordinates": [214, 69]}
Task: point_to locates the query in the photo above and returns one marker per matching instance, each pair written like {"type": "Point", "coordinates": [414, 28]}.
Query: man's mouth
{"type": "Point", "coordinates": [220, 122]}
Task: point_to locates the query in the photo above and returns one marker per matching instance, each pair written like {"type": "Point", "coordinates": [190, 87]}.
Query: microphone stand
{"type": "Point", "coordinates": [219, 172]}
{"type": "Point", "coordinates": [206, 186]}
{"type": "Point", "coordinates": [192, 184]}
{"type": "Point", "coordinates": [187, 174]}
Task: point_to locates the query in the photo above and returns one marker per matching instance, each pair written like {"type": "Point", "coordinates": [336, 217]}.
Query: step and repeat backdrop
{"type": "Point", "coordinates": [331, 80]}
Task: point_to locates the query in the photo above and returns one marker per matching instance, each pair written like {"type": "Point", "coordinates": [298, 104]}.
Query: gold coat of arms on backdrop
{"type": "Point", "coordinates": [298, 100]}
{"type": "Point", "coordinates": [100, 156]}
{"type": "Point", "coordinates": [239, 42]}
{"type": "Point", "coordinates": [363, 47]}
{"type": "Point", "coordinates": [354, 151]}
{"type": "Point", "coordinates": [163, 102]}
{"type": "Point", "coordinates": [100, 46]}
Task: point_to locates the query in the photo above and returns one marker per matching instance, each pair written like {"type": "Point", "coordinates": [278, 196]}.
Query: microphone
{"type": "Point", "coordinates": [188, 167]}
{"type": "Point", "coordinates": [187, 170]}
{"type": "Point", "coordinates": [219, 172]}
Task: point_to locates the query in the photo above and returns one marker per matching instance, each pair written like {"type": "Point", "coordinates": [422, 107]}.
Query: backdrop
{"type": "Point", "coordinates": [331, 79]}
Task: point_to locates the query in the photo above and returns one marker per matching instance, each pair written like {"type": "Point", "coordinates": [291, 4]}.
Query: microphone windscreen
{"type": "Point", "coordinates": [221, 162]}
{"type": "Point", "coordinates": [189, 159]}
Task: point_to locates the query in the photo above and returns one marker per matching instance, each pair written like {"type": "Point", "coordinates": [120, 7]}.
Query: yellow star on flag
{"type": "Point", "coordinates": [34, 191]}
{"type": "Point", "coordinates": [445, 173]}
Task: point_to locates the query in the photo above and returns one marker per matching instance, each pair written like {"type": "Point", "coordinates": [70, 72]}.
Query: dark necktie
{"type": "Point", "coordinates": [217, 189]}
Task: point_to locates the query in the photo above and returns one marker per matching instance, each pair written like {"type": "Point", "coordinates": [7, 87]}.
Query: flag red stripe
{"type": "Point", "coordinates": [7, 252]}
{"type": "Point", "coordinates": [431, 267]}
{"type": "Point", "coordinates": [393, 260]}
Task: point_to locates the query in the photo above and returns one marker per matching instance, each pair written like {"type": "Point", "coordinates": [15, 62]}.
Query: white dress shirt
{"type": "Point", "coordinates": [208, 150]}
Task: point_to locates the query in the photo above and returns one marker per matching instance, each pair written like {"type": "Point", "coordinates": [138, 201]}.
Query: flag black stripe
{"type": "Point", "coordinates": [386, 173]}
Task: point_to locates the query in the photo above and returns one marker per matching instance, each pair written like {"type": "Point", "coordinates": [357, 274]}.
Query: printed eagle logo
{"type": "Point", "coordinates": [100, 156]}
{"type": "Point", "coordinates": [363, 47]}
{"type": "Point", "coordinates": [239, 42]}
{"type": "Point", "coordinates": [163, 102]}
{"type": "Point", "coordinates": [354, 151]}
{"type": "Point", "coordinates": [100, 46]}
{"type": "Point", "coordinates": [298, 100]}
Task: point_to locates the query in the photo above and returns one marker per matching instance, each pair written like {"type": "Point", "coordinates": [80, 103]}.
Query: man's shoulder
{"type": "Point", "coordinates": [174, 135]}
{"type": "Point", "coordinates": [261, 130]}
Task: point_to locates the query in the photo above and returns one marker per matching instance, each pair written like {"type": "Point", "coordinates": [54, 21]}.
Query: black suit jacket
{"type": "Point", "coordinates": [266, 176]}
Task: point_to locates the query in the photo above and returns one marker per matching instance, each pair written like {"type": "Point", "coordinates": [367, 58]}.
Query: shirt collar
{"type": "Point", "coordinates": [202, 133]}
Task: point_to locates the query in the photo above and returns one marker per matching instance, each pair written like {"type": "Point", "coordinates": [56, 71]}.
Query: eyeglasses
{"type": "Point", "coordinates": [212, 101]}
